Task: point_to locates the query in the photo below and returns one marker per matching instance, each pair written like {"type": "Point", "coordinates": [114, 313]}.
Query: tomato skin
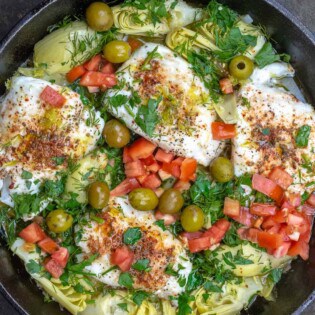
{"type": "Point", "coordinates": [141, 149]}
{"type": "Point", "coordinates": [231, 207]}
{"type": "Point", "coordinates": [311, 200]}
{"type": "Point", "coordinates": [52, 97]}
{"type": "Point", "coordinates": [168, 218]}
{"type": "Point", "coordinates": [95, 78]}
{"type": "Point", "coordinates": [53, 268]}
{"type": "Point", "coordinates": [123, 258]}
{"type": "Point", "coordinates": [152, 181]}
{"type": "Point", "coordinates": [151, 164]}
{"type": "Point", "coordinates": [217, 231]}
{"type": "Point", "coordinates": [33, 233]}
{"type": "Point", "coordinates": [163, 156]}
{"type": "Point", "coordinates": [281, 177]}
{"type": "Point", "coordinates": [190, 235]}
{"type": "Point", "coordinates": [245, 217]}
{"type": "Point", "coordinates": [282, 250]}
{"type": "Point", "coordinates": [295, 219]}
{"type": "Point", "coordinates": [48, 245]}
{"type": "Point", "coordinates": [188, 169]}
{"type": "Point", "coordinates": [263, 210]}
{"type": "Point", "coordinates": [268, 240]}
{"type": "Point", "coordinates": [199, 244]}
{"type": "Point", "coordinates": [226, 86]}
{"type": "Point", "coordinates": [94, 63]}
{"type": "Point", "coordinates": [172, 169]}
{"type": "Point", "coordinates": [249, 234]}
{"type": "Point", "coordinates": [61, 256]}
{"type": "Point", "coordinates": [299, 248]}
{"type": "Point", "coordinates": [134, 169]}
{"type": "Point", "coordinates": [126, 157]}
{"type": "Point", "coordinates": [108, 68]}
{"type": "Point", "coordinates": [75, 73]}
{"type": "Point", "coordinates": [134, 43]}
{"type": "Point", "coordinates": [222, 131]}
{"type": "Point", "coordinates": [125, 187]}
{"type": "Point", "coordinates": [267, 187]}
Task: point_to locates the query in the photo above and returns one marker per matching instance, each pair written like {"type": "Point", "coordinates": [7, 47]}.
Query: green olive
{"type": "Point", "coordinates": [117, 51]}
{"type": "Point", "coordinates": [241, 67]}
{"type": "Point", "coordinates": [98, 195]}
{"type": "Point", "coordinates": [222, 170]}
{"type": "Point", "coordinates": [59, 221]}
{"type": "Point", "coordinates": [192, 219]}
{"type": "Point", "coordinates": [116, 134]}
{"type": "Point", "coordinates": [143, 199]}
{"type": "Point", "coordinates": [171, 201]}
{"type": "Point", "coordinates": [99, 16]}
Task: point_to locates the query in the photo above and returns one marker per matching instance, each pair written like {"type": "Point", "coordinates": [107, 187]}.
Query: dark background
{"type": "Point", "coordinates": [13, 10]}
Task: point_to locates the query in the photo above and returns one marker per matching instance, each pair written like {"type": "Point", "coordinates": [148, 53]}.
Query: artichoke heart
{"type": "Point", "coordinates": [66, 47]}
{"type": "Point", "coordinates": [131, 20]}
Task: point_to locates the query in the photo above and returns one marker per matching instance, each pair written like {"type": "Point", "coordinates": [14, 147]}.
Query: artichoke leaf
{"type": "Point", "coordinates": [226, 108]}
{"type": "Point", "coordinates": [130, 20]}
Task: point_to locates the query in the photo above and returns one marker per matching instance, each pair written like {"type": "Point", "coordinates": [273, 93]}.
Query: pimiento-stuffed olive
{"type": "Point", "coordinates": [222, 169]}
{"type": "Point", "coordinates": [99, 16]}
{"type": "Point", "coordinates": [241, 67]}
{"type": "Point", "coordinates": [143, 199]}
{"type": "Point", "coordinates": [59, 221]}
{"type": "Point", "coordinates": [192, 219]}
{"type": "Point", "coordinates": [171, 201]}
{"type": "Point", "coordinates": [117, 51]}
{"type": "Point", "coordinates": [98, 195]}
{"type": "Point", "coordinates": [116, 134]}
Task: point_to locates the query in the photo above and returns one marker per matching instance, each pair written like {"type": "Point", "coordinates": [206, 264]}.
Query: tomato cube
{"type": "Point", "coordinates": [48, 245]}
{"type": "Point", "coordinates": [125, 187]}
{"type": "Point", "coordinates": [108, 68]}
{"type": "Point", "coordinates": [134, 169]}
{"type": "Point", "coordinates": [163, 156]}
{"type": "Point", "coordinates": [182, 186]}
{"type": "Point", "coordinates": [94, 63]}
{"type": "Point", "coordinates": [188, 169]}
{"type": "Point", "coordinates": [53, 268]}
{"type": "Point", "coordinates": [52, 97]}
{"type": "Point", "coordinates": [222, 131]}
{"type": "Point", "coordinates": [232, 207]}
{"type": "Point", "coordinates": [268, 240]}
{"type": "Point", "coordinates": [244, 217]}
{"type": "Point", "coordinates": [311, 200]}
{"type": "Point", "coordinates": [262, 210]}
{"type": "Point", "coordinates": [75, 73]}
{"type": "Point", "coordinates": [299, 248]}
{"type": "Point", "coordinates": [226, 86]}
{"type": "Point", "coordinates": [152, 181]}
{"type": "Point", "coordinates": [281, 177]}
{"type": "Point", "coordinates": [61, 256]}
{"type": "Point", "coordinates": [141, 149]}
{"type": "Point", "coordinates": [199, 244]}
{"type": "Point", "coordinates": [126, 157]}
{"type": "Point", "coordinates": [33, 233]}
{"type": "Point", "coordinates": [122, 257]}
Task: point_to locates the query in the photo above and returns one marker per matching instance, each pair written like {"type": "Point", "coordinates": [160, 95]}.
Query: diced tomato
{"type": "Point", "coordinates": [163, 156]}
{"type": "Point", "coordinates": [141, 179]}
{"type": "Point", "coordinates": [171, 168]}
{"type": "Point", "coordinates": [262, 209]}
{"type": "Point", "coordinates": [188, 169]}
{"type": "Point", "coordinates": [33, 233]}
{"type": "Point", "coordinates": [151, 164]}
{"type": "Point", "coordinates": [231, 207]}
{"type": "Point", "coordinates": [267, 187]}
{"type": "Point", "coordinates": [126, 157]}
{"type": "Point", "coordinates": [258, 222]}
{"type": "Point", "coordinates": [248, 234]}
{"type": "Point", "coordinates": [122, 257]}
{"type": "Point", "coordinates": [134, 43]}
{"type": "Point", "coordinates": [226, 86]}
{"type": "Point", "coordinates": [308, 209]}
{"type": "Point", "coordinates": [134, 169]}
{"type": "Point", "coordinates": [295, 219]}
{"type": "Point", "coordinates": [282, 250]}
{"type": "Point", "coordinates": [125, 187]}
{"type": "Point", "coordinates": [164, 175]}
{"type": "Point", "coordinates": [149, 160]}
{"type": "Point", "coordinates": [52, 97]}
{"type": "Point", "coordinates": [190, 235]}
{"type": "Point", "coordinates": [283, 233]}
{"type": "Point", "coordinates": [75, 73]}
{"type": "Point", "coordinates": [48, 245]}
{"type": "Point", "coordinates": [95, 78]}
{"type": "Point", "coordinates": [168, 218]}
{"type": "Point", "coordinates": [299, 248]}
{"type": "Point", "coordinates": [222, 131]}
{"type": "Point", "coordinates": [274, 229]}
{"type": "Point", "coordinates": [94, 63]}
{"type": "Point", "coordinates": [291, 201]}
{"type": "Point", "coordinates": [280, 216]}
{"type": "Point", "coordinates": [61, 256]}
{"type": "Point", "coordinates": [53, 268]}
{"type": "Point", "coordinates": [108, 68]}
{"type": "Point", "coordinates": [159, 191]}
{"type": "Point", "coordinates": [178, 161]}
{"type": "Point", "coordinates": [311, 200]}
{"type": "Point", "coordinates": [152, 181]}
{"type": "Point", "coordinates": [268, 240]}
{"type": "Point", "coordinates": [281, 177]}
{"type": "Point", "coordinates": [93, 89]}
{"type": "Point", "coordinates": [244, 217]}
{"type": "Point", "coordinates": [182, 186]}
{"type": "Point", "coordinates": [141, 149]}
{"type": "Point", "coordinates": [199, 244]}
{"type": "Point", "coordinates": [294, 236]}
{"type": "Point", "coordinates": [217, 231]}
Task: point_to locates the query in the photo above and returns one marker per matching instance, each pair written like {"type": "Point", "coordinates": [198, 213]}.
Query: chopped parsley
{"type": "Point", "coordinates": [142, 265]}
{"type": "Point", "coordinates": [302, 136]}
{"type": "Point", "coordinates": [132, 236]}
{"type": "Point", "coordinates": [123, 306]}
{"type": "Point", "coordinates": [58, 160]}
{"type": "Point", "coordinates": [33, 267]}
{"type": "Point", "coordinates": [160, 224]}
{"type": "Point", "coordinates": [148, 117]}
{"type": "Point", "coordinates": [125, 280]}
{"type": "Point", "coordinates": [139, 296]}
{"type": "Point", "coordinates": [26, 175]}
{"type": "Point", "coordinates": [275, 275]}
{"type": "Point", "coordinates": [211, 287]}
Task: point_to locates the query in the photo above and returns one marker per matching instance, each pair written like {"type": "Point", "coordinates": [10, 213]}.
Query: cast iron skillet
{"type": "Point", "coordinates": [297, 288]}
